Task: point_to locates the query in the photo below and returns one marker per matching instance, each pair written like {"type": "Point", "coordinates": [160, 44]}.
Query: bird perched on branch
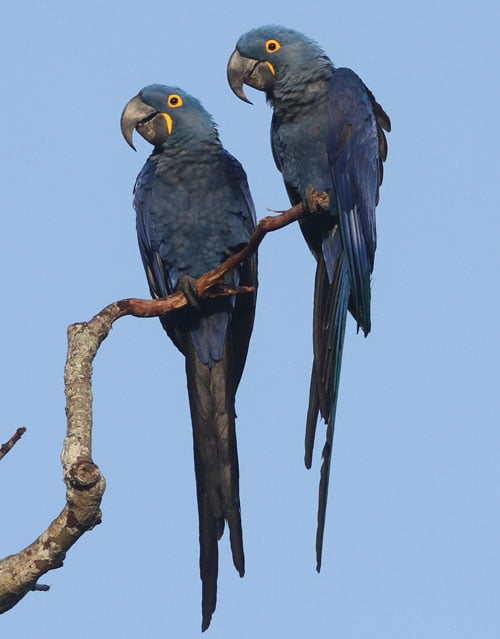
{"type": "Point", "coordinates": [327, 134]}
{"type": "Point", "coordinates": [194, 209]}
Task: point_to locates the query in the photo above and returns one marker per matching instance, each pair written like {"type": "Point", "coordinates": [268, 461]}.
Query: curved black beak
{"type": "Point", "coordinates": [255, 73]}
{"type": "Point", "coordinates": [135, 112]}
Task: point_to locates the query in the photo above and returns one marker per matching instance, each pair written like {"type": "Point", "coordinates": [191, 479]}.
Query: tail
{"type": "Point", "coordinates": [330, 312]}
{"type": "Point", "coordinates": [211, 399]}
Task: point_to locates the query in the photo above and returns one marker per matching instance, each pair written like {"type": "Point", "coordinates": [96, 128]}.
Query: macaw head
{"type": "Point", "coordinates": [159, 112]}
{"type": "Point", "coordinates": [275, 59]}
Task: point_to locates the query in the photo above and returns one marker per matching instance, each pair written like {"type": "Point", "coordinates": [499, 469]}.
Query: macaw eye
{"type": "Point", "coordinates": [174, 100]}
{"type": "Point", "coordinates": [272, 46]}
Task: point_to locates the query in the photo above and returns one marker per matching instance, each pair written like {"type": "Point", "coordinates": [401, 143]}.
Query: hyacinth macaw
{"type": "Point", "coordinates": [194, 209]}
{"type": "Point", "coordinates": [327, 132]}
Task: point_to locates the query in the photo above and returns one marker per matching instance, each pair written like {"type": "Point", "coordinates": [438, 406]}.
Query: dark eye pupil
{"type": "Point", "coordinates": [173, 101]}
{"type": "Point", "coordinates": [272, 46]}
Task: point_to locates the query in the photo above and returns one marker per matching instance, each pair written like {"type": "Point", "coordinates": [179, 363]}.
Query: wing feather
{"type": "Point", "coordinates": [156, 272]}
{"type": "Point", "coordinates": [244, 307]}
{"type": "Point", "coordinates": [357, 148]}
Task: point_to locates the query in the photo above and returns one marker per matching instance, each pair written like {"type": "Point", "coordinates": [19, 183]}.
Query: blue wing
{"type": "Point", "coordinates": [237, 178]}
{"type": "Point", "coordinates": [156, 273]}
{"type": "Point", "coordinates": [356, 150]}
{"type": "Point", "coordinates": [155, 270]}
{"type": "Point", "coordinates": [244, 306]}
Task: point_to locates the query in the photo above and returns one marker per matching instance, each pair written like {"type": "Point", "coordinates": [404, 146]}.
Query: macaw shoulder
{"type": "Point", "coordinates": [144, 182]}
{"type": "Point", "coordinates": [349, 97]}
{"type": "Point", "coordinates": [356, 122]}
{"type": "Point", "coordinates": [243, 205]}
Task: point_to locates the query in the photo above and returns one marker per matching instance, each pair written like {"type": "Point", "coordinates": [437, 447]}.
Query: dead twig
{"type": "Point", "coordinates": [4, 449]}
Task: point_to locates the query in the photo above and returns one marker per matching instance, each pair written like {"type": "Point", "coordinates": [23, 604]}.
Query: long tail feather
{"type": "Point", "coordinates": [211, 398]}
{"type": "Point", "coordinates": [312, 419]}
{"type": "Point", "coordinates": [330, 312]}
{"type": "Point", "coordinates": [209, 560]}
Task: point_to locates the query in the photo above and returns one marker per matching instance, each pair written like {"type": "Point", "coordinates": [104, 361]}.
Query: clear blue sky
{"type": "Point", "coordinates": [412, 537]}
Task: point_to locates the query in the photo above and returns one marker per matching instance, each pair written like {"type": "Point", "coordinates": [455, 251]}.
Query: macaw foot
{"type": "Point", "coordinates": [187, 285]}
{"type": "Point", "coordinates": [315, 201]}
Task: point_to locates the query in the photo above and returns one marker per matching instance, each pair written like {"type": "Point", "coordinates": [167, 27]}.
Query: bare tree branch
{"type": "Point", "coordinates": [204, 284]}
{"type": "Point", "coordinates": [4, 449]}
{"type": "Point", "coordinates": [85, 484]}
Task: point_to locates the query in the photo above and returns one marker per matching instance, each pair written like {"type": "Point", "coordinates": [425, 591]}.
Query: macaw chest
{"type": "Point", "coordinates": [190, 223]}
{"type": "Point", "coordinates": [301, 148]}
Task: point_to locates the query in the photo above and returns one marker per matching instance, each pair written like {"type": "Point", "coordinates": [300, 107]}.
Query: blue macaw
{"type": "Point", "coordinates": [194, 209]}
{"type": "Point", "coordinates": [327, 135]}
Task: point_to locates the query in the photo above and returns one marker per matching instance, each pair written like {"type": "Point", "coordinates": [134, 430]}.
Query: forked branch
{"type": "Point", "coordinates": [85, 484]}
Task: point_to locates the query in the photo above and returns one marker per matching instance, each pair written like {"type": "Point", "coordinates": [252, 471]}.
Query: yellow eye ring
{"type": "Point", "coordinates": [174, 100]}
{"type": "Point", "coordinates": [272, 46]}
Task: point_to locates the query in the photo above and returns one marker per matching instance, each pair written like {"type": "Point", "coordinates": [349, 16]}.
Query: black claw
{"type": "Point", "coordinates": [187, 285]}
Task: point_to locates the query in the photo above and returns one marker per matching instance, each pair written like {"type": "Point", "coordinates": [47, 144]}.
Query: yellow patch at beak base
{"type": "Point", "coordinates": [169, 122]}
{"type": "Point", "coordinates": [271, 67]}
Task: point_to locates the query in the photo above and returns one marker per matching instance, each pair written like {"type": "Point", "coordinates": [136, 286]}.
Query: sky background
{"type": "Point", "coordinates": [412, 535]}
